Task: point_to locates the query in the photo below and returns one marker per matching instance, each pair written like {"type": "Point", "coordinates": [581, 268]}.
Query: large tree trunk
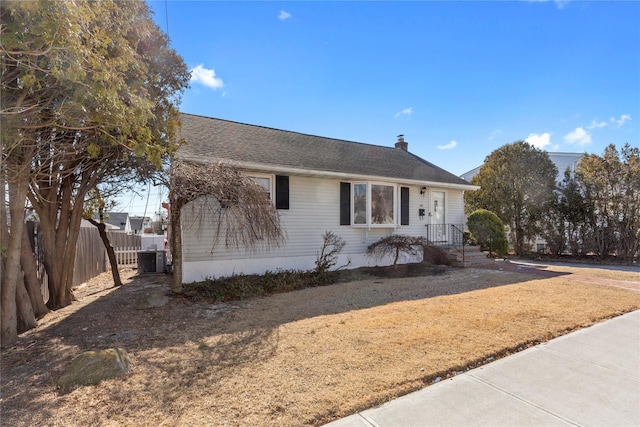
{"type": "Point", "coordinates": [31, 282]}
{"type": "Point", "coordinates": [9, 321]}
{"type": "Point", "coordinates": [61, 226]}
{"type": "Point", "coordinates": [24, 310]}
{"type": "Point", "coordinates": [110, 252]}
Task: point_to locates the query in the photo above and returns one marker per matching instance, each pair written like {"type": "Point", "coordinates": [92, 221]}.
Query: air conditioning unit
{"type": "Point", "coordinates": [152, 262]}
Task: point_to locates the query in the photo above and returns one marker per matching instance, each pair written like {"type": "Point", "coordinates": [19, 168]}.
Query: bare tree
{"type": "Point", "coordinates": [327, 258]}
{"type": "Point", "coordinates": [392, 246]}
{"type": "Point", "coordinates": [241, 209]}
{"type": "Point", "coordinates": [96, 205]}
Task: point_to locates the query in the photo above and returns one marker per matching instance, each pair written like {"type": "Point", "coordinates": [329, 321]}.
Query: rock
{"type": "Point", "coordinates": [92, 367]}
{"type": "Point", "coordinates": [157, 298]}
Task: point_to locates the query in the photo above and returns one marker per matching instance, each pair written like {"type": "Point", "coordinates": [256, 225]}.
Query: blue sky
{"type": "Point", "coordinates": [458, 79]}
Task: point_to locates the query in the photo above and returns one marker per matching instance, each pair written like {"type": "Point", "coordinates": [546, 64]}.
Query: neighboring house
{"type": "Point", "coordinates": [119, 220]}
{"type": "Point", "coordinates": [561, 160]}
{"type": "Point", "coordinates": [360, 192]}
{"type": "Point", "coordinates": [108, 227]}
{"type": "Point", "coordinates": [139, 224]}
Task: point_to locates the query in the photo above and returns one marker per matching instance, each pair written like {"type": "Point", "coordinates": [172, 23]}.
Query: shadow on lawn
{"type": "Point", "coordinates": [122, 318]}
{"type": "Point", "coordinates": [223, 335]}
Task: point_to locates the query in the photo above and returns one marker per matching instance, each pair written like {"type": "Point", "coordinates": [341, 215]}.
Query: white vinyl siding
{"type": "Point", "coordinates": [314, 209]}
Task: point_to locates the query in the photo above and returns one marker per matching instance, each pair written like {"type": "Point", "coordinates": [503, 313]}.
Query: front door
{"type": "Point", "coordinates": [438, 216]}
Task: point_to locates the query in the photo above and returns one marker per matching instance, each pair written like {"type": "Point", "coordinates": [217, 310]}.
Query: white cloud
{"type": "Point", "coordinates": [539, 141]}
{"type": "Point", "coordinates": [448, 146]}
{"type": "Point", "coordinates": [623, 118]}
{"type": "Point", "coordinates": [206, 77]}
{"type": "Point", "coordinates": [578, 136]}
{"type": "Point", "coordinates": [494, 134]}
{"type": "Point", "coordinates": [560, 4]}
{"type": "Point", "coordinates": [596, 125]}
{"type": "Point", "coordinates": [284, 15]}
{"type": "Point", "coordinates": [405, 112]}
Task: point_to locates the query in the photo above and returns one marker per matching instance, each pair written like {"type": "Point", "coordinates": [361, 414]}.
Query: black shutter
{"type": "Point", "coordinates": [404, 205]}
{"type": "Point", "coordinates": [282, 192]}
{"type": "Point", "coordinates": [345, 203]}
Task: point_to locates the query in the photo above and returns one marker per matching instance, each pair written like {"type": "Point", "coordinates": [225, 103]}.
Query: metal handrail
{"type": "Point", "coordinates": [448, 235]}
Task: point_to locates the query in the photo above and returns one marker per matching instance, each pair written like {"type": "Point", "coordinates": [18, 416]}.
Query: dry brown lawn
{"type": "Point", "coordinates": [301, 358]}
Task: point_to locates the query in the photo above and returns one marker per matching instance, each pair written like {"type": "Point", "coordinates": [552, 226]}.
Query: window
{"type": "Point", "coordinates": [374, 204]}
{"type": "Point", "coordinates": [265, 182]}
{"type": "Point", "coordinates": [281, 189]}
{"type": "Point", "coordinates": [382, 204]}
{"type": "Point", "coordinates": [360, 204]}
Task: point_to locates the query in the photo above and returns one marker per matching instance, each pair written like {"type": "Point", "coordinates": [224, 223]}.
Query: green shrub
{"type": "Point", "coordinates": [241, 286]}
{"type": "Point", "coordinates": [469, 239]}
{"type": "Point", "coordinates": [487, 229]}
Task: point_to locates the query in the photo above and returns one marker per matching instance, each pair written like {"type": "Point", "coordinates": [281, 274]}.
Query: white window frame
{"type": "Point", "coordinates": [368, 223]}
{"type": "Point", "coordinates": [271, 179]}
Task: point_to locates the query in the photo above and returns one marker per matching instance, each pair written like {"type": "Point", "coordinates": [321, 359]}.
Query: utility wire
{"type": "Point", "coordinates": [166, 15]}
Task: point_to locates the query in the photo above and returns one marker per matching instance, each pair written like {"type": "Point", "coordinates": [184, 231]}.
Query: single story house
{"type": "Point", "coordinates": [360, 192]}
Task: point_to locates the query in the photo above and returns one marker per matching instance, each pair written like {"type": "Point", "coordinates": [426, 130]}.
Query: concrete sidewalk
{"type": "Point", "coordinates": [590, 377]}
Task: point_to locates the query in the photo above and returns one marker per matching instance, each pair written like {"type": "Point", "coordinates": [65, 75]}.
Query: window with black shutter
{"type": "Point", "coordinates": [282, 192]}
{"type": "Point", "coordinates": [404, 205]}
{"type": "Point", "coordinates": [345, 203]}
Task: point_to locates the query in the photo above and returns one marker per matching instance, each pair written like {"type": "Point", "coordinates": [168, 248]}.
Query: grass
{"type": "Point", "coordinates": [242, 286]}
{"type": "Point", "coordinates": [304, 357]}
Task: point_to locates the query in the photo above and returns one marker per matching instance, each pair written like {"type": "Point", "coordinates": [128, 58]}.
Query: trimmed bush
{"type": "Point", "coordinates": [392, 246]}
{"type": "Point", "coordinates": [488, 230]}
{"type": "Point", "coordinates": [241, 286]}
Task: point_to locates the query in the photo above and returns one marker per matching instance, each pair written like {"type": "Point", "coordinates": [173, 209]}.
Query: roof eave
{"type": "Point", "coordinates": [251, 166]}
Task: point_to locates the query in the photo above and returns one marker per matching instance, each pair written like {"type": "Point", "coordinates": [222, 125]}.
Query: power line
{"type": "Point", "coordinates": [166, 15]}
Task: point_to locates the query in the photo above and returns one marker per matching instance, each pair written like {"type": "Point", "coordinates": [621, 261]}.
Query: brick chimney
{"type": "Point", "coordinates": [401, 144]}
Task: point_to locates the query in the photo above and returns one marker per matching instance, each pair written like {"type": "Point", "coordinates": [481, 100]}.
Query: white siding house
{"type": "Point", "coordinates": [360, 192]}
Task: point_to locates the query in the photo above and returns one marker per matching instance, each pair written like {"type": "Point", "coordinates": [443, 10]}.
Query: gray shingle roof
{"type": "Point", "coordinates": [210, 139]}
{"type": "Point", "coordinates": [119, 219]}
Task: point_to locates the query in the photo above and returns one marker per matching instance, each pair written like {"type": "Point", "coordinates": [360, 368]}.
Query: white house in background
{"type": "Point", "coordinates": [117, 221]}
{"type": "Point", "coordinates": [109, 227]}
{"type": "Point", "coordinates": [139, 224]}
{"type": "Point", "coordinates": [561, 160]}
{"type": "Point", "coordinates": [360, 192]}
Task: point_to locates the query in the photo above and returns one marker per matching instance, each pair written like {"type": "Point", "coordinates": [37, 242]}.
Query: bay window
{"type": "Point", "coordinates": [374, 204]}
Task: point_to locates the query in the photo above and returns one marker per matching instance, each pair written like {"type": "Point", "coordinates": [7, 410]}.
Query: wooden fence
{"type": "Point", "coordinates": [126, 247]}
{"type": "Point", "coordinates": [91, 255]}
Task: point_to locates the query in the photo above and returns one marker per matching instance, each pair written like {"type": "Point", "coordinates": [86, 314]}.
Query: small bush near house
{"type": "Point", "coordinates": [469, 239]}
{"type": "Point", "coordinates": [436, 256]}
{"type": "Point", "coordinates": [392, 246]}
{"type": "Point", "coordinates": [488, 230]}
{"type": "Point", "coordinates": [241, 286]}
{"type": "Point", "coordinates": [332, 245]}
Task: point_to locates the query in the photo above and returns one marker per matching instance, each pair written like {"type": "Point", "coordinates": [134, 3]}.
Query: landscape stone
{"type": "Point", "coordinates": [91, 367]}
